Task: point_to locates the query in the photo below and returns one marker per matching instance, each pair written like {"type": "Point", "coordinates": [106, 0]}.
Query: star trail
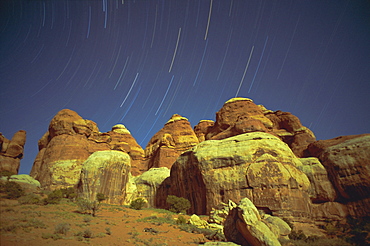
{"type": "Point", "coordinates": [139, 62]}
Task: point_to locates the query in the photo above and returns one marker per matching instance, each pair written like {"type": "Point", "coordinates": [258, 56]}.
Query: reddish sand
{"type": "Point", "coordinates": [18, 226]}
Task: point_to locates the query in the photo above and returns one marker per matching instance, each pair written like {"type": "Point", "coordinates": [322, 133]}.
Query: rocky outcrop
{"type": "Point", "coordinates": [11, 151]}
{"type": "Point", "coordinates": [242, 115]}
{"type": "Point", "coordinates": [168, 143]}
{"type": "Point", "coordinates": [28, 183]}
{"type": "Point", "coordinates": [244, 226]}
{"type": "Point", "coordinates": [256, 165]}
{"type": "Point", "coordinates": [69, 141]}
{"type": "Point", "coordinates": [202, 128]}
{"type": "Point", "coordinates": [321, 189]}
{"type": "Point", "coordinates": [106, 172]}
{"type": "Point", "coordinates": [346, 160]}
{"type": "Point", "coordinates": [148, 183]}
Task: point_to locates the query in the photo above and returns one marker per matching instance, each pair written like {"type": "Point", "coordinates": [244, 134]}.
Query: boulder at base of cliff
{"type": "Point", "coordinates": [245, 227]}
{"type": "Point", "coordinates": [148, 183]}
{"type": "Point", "coordinates": [106, 172]}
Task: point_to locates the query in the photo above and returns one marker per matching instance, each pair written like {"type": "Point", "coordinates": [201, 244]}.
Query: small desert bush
{"type": "Point", "coordinates": [11, 189]}
{"type": "Point", "coordinates": [137, 204]}
{"type": "Point", "coordinates": [87, 206]}
{"type": "Point", "coordinates": [30, 198]}
{"type": "Point", "coordinates": [54, 197]}
{"type": "Point", "coordinates": [100, 197]}
{"type": "Point", "coordinates": [178, 204]}
{"type": "Point", "coordinates": [62, 228]}
{"type": "Point", "coordinates": [108, 231]}
{"type": "Point", "coordinates": [51, 235]}
{"type": "Point", "coordinates": [69, 193]}
{"type": "Point", "coordinates": [181, 220]}
{"type": "Point", "coordinates": [208, 233]}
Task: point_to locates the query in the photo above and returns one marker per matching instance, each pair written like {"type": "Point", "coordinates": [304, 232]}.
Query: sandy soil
{"type": "Point", "coordinates": [114, 225]}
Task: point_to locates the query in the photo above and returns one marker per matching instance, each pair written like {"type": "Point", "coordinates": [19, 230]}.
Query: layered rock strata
{"type": "Point", "coordinates": [242, 115]}
{"type": "Point", "coordinates": [167, 144]}
{"type": "Point", "coordinates": [69, 141]}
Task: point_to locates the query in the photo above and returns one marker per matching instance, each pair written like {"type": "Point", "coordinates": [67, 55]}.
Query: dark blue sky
{"type": "Point", "coordinates": [139, 62]}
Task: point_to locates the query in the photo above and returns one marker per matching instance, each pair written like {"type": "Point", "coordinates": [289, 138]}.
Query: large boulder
{"type": "Point", "coordinates": [11, 151]}
{"type": "Point", "coordinates": [256, 165]}
{"type": "Point", "coordinates": [244, 226]}
{"type": "Point", "coordinates": [70, 140]}
{"type": "Point", "coordinates": [106, 172]}
{"type": "Point", "coordinates": [168, 143]}
{"type": "Point", "coordinates": [346, 160]}
{"type": "Point", "coordinates": [148, 183]}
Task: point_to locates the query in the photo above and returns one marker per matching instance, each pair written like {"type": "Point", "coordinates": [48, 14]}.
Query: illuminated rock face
{"type": "Point", "coordinates": [167, 144]}
{"type": "Point", "coordinates": [11, 151]}
{"type": "Point", "coordinates": [70, 140]}
{"type": "Point", "coordinates": [106, 172]}
{"type": "Point", "coordinates": [346, 160]}
{"type": "Point", "coordinates": [255, 165]}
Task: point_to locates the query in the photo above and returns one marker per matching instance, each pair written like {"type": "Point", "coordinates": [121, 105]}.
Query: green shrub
{"type": "Point", "coordinates": [11, 189]}
{"type": "Point", "coordinates": [137, 204]}
{"type": "Point", "coordinates": [178, 204]}
{"type": "Point", "coordinates": [100, 197]}
{"type": "Point", "coordinates": [108, 231]}
{"type": "Point", "coordinates": [54, 197]}
{"type": "Point", "coordinates": [87, 233]}
{"type": "Point", "coordinates": [69, 193]}
{"type": "Point", "coordinates": [62, 228]}
{"type": "Point", "coordinates": [87, 206]}
{"type": "Point", "coordinates": [181, 220]}
{"type": "Point", "coordinates": [30, 199]}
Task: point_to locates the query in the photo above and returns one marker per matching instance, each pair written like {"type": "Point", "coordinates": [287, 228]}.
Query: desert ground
{"type": "Point", "coordinates": [62, 224]}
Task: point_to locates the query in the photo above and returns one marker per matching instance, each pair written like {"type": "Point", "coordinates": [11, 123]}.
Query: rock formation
{"type": "Point", "coordinates": [203, 128]}
{"type": "Point", "coordinates": [346, 160]}
{"type": "Point", "coordinates": [106, 172]}
{"type": "Point", "coordinates": [245, 226]}
{"type": "Point", "coordinates": [148, 183]}
{"type": "Point", "coordinates": [69, 141]}
{"type": "Point", "coordinates": [11, 152]}
{"type": "Point", "coordinates": [168, 143]}
{"type": "Point", "coordinates": [255, 165]}
{"type": "Point", "coordinates": [28, 183]}
{"type": "Point", "coordinates": [241, 115]}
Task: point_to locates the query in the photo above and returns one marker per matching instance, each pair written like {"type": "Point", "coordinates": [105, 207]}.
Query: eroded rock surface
{"type": "Point", "coordinates": [256, 165]}
{"type": "Point", "coordinates": [11, 151]}
{"type": "Point", "coordinates": [168, 143]}
{"type": "Point", "coordinates": [70, 140]}
{"type": "Point", "coordinates": [106, 172]}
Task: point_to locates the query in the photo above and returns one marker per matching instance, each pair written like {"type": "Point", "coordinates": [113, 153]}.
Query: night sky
{"type": "Point", "coordinates": [139, 62]}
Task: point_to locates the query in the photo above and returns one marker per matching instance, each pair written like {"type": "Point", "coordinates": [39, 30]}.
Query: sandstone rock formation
{"type": "Point", "coordinates": [321, 189]}
{"type": "Point", "coordinates": [168, 143]}
{"type": "Point", "coordinates": [346, 160]}
{"type": "Point", "coordinates": [148, 183]}
{"type": "Point", "coordinates": [69, 141]}
{"type": "Point", "coordinates": [241, 115]}
{"type": "Point", "coordinates": [255, 165]}
{"type": "Point", "coordinates": [244, 226]}
{"type": "Point", "coordinates": [28, 183]}
{"type": "Point", "coordinates": [105, 172]}
{"type": "Point", "coordinates": [202, 128]}
{"type": "Point", "coordinates": [11, 151]}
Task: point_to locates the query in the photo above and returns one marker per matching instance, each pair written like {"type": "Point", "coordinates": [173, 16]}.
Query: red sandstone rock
{"type": "Point", "coordinates": [11, 151]}
{"type": "Point", "coordinates": [241, 115]}
{"type": "Point", "coordinates": [166, 145]}
{"type": "Point", "coordinates": [202, 128]}
{"type": "Point", "coordinates": [69, 141]}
